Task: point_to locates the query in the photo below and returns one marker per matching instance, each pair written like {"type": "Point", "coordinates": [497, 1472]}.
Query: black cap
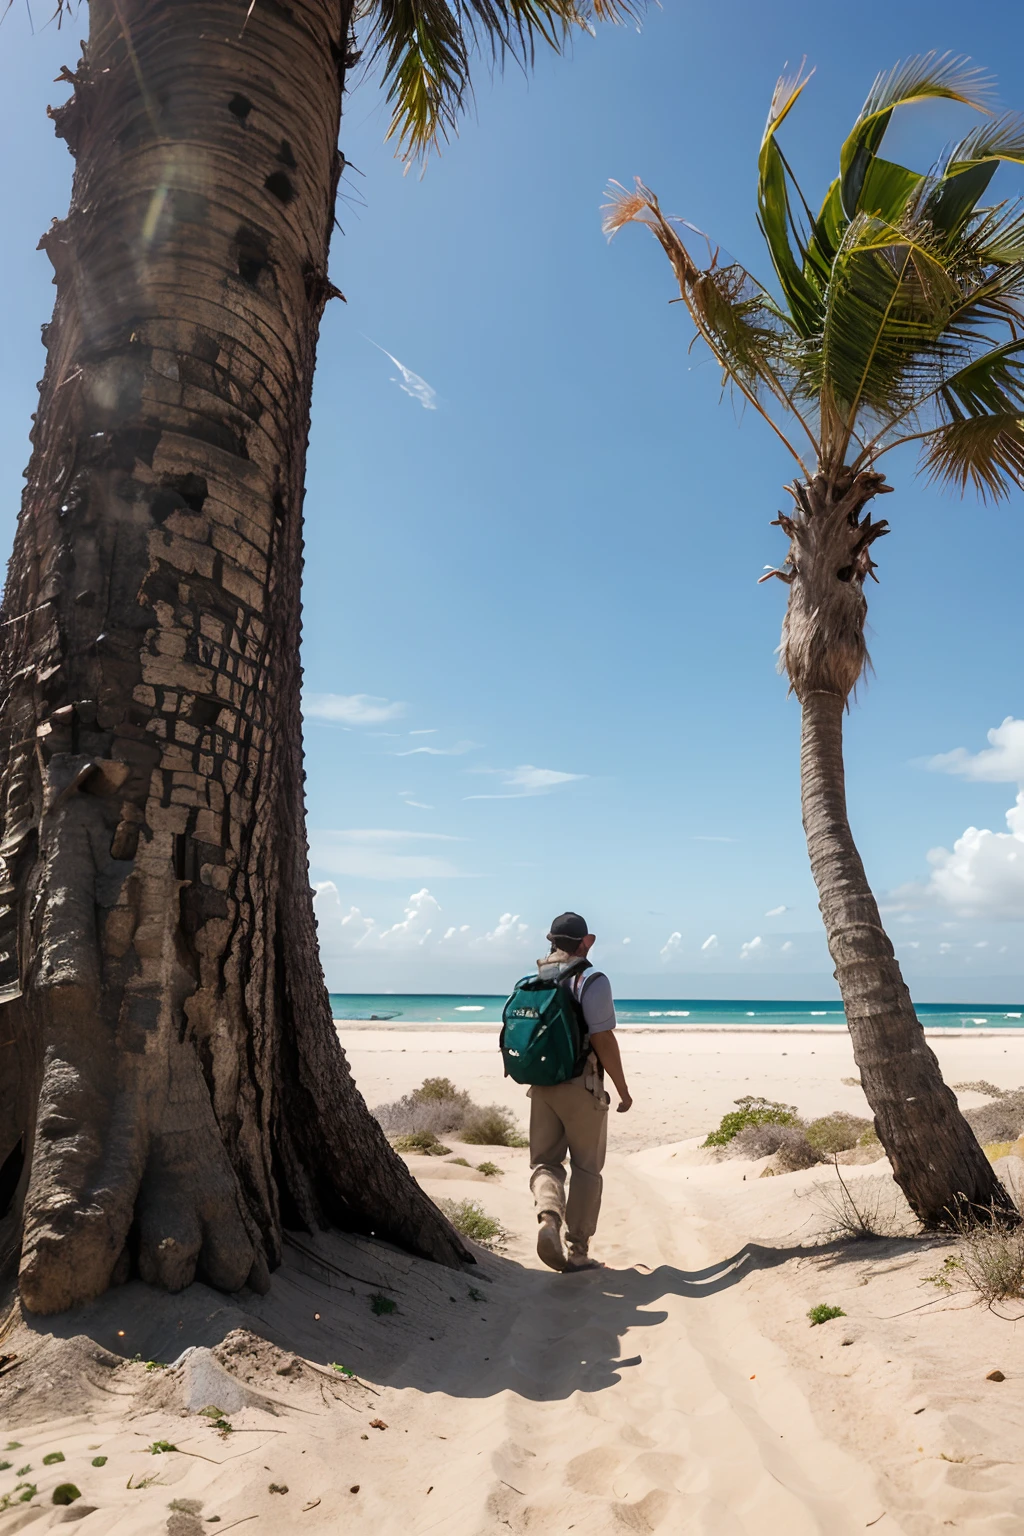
{"type": "Point", "coordinates": [568, 926]}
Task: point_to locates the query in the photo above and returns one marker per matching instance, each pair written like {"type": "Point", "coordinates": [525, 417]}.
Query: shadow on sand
{"type": "Point", "coordinates": [470, 1334]}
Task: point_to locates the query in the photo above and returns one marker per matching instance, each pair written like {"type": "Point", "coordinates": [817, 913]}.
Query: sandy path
{"type": "Point", "coordinates": [669, 1433]}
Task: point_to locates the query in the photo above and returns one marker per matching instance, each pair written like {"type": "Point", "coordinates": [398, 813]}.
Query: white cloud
{"type": "Point", "coordinates": [381, 854]}
{"type": "Point", "coordinates": [344, 933]}
{"type": "Point", "coordinates": [627, 941]}
{"type": "Point", "coordinates": [671, 946]}
{"type": "Point", "coordinates": [432, 731]}
{"type": "Point", "coordinates": [746, 950]}
{"type": "Point", "coordinates": [410, 383]}
{"type": "Point", "coordinates": [983, 875]}
{"type": "Point", "coordinates": [787, 946]}
{"type": "Point", "coordinates": [350, 708]}
{"type": "Point", "coordinates": [711, 942]}
{"type": "Point", "coordinates": [418, 805]}
{"type": "Point", "coordinates": [776, 911]}
{"type": "Point", "coordinates": [526, 780]}
{"type": "Point", "coordinates": [458, 750]}
{"type": "Point", "coordinates": [700, 839]}
{"type": "Point", "coordinates": [1000, 763]}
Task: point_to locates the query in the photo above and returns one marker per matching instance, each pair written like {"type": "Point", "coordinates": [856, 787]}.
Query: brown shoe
{"type": "Point", "coordinates": [549, 1243]}
{"type": "Point", "coordinates": [578, 1258]}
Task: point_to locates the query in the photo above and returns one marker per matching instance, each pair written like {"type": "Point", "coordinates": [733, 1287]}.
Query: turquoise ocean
{"type": "Point", "coordinates": [428, 1008]}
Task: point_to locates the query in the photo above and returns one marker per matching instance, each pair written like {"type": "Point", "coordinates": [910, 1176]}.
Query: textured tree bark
{"type": "Point", "coordinates": [174, 1094]}
{"type": "Point", "coordinates": [934, 1154]}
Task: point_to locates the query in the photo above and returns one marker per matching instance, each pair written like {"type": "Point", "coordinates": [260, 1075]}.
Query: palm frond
{"type": "Point", "coordinates": [886, 310]}
{"type": "Point", "coordinates": [985, 452]}
{"type": "Point", "coordinates": [931, 75]}
{"type": "Point", "coordinates": [970, 167]}
{"type": "Point", "coordinates": [1002, 138]}
{"type": "Point", "coordinates": [425, 50]}
{"type": "Point", "coordinates": [775, 214]}
{"type": "Point", "coordinates": [738, 319]}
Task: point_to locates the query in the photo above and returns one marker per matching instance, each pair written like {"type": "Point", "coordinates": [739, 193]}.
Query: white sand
{"type": "Point", "coordinates": [682, 1390]}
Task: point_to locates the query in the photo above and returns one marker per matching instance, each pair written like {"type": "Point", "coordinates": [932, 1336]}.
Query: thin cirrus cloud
{"type": "Point", "coordinates": [520, 783]}
{"type": "Point", "coordinates": [710, 943]}
{"type": "Point", "coordinates": [410, 383]}
{"type": "Point", "coordinates": [350, 708]}
{"type": "Point", "coordinates": [776, 911]}
{"type": "Point", "coordinates": [459, 749]}
{"type": "Point", "coordinates": [751, 947]}
{"type": "Point", "coordinates": [670, 946]}
{"type": "Point", "coordinates": [383, 854]}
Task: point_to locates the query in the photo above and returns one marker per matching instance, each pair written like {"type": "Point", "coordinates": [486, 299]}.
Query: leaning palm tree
{"type": "Point", "coordinates": [173, 1096]}
{"type": "Point", "coordinates": [899, 318]}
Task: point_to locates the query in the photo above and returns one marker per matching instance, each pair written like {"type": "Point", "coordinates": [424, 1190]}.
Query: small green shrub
{"type": "Point", "coordinates": [381, 1305]}
{"type": "Point", "coordinates": [824, 1314]}
{"type": "Point", "coordinates": [492, 1126]}
{"type": "Point", "coordinates": [434, 1090]}
{"type": "Point", "coordinates": [421, 1141]}
{"type": "Point", "coordinates": [5, 1466]}
{"type": "Point", "coordinates": [461, 1162]}
{"type": "Point", "coordinates": [979, 1085]}
{"type": "Point", "coordinates": [489, 1168]}
{"type": "Point", "coordinates": [869, 1137]}
{"type": "Point", "coordinates": [470, 1218]}
{"type": "Point", "coordinates": [52, 1457]}
{"type": "Point", "coordinates": [342, 1370]}
{"type": "Point", "coordinates": [13, 1445]}
{"type": "Point", "coordinates": [160, 1447]}
{"type": "Point", "coordinates": [66, 1493]}
{"type": "Point", "coordinates": [752, 1109]}
{"type": "Point", "coordinates": [837, 1132]}
{"type": "Point", "coordinates": [99, 1461]}
{"type": "Point", "coordinates": [23, 1471]}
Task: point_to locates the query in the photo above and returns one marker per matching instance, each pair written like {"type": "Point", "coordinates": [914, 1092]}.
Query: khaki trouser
{"type": "Point", "coordinates": [569, 1117]}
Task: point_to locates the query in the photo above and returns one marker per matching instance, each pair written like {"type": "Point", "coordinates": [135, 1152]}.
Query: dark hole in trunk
{"type": "Point", "coordinates": [240, 106]}
{"type": "Point", "coordinates": [285, 155]}
{"type": "Point", "coordinates": [10, 1173]}
{"type": "Point", "coordinates": [277, 183]}
{"type": "Point", "coordinates": [845, 573]}
{"type": "Point", "coordinates": [252, 255]}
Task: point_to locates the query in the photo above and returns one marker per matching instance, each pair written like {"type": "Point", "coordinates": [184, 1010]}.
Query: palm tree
{"type": "Point", "coordinates": [173, 1094]}
{"type": "Point", "coordinates": [900, 320]}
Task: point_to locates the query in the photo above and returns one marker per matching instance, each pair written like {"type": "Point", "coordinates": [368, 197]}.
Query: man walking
{"type": "Point", "coordinates": [572, 1116]}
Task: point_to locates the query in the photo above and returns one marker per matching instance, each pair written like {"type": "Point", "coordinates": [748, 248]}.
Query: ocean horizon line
{"type": "Point", "coordinates": [485, 1008]}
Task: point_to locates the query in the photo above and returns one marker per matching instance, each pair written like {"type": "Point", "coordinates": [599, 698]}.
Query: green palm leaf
{"type": "Point", "coordinates": [425, 49]}
{"type": "Point", "coordinates": [902, 312]}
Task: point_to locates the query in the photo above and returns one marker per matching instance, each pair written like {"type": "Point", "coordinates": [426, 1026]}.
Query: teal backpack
{"type": "Point", "coordinates": [544, 1038]}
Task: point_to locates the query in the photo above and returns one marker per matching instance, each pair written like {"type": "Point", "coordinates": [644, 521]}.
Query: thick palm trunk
{"type": "Point", "coordinates": [173, 1082]}
{"type": "Point", "coordinates": [934, 1154]}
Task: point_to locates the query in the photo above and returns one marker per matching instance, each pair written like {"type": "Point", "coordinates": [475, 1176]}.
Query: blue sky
{"type": "Point", "coordinates": [542, 672]}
